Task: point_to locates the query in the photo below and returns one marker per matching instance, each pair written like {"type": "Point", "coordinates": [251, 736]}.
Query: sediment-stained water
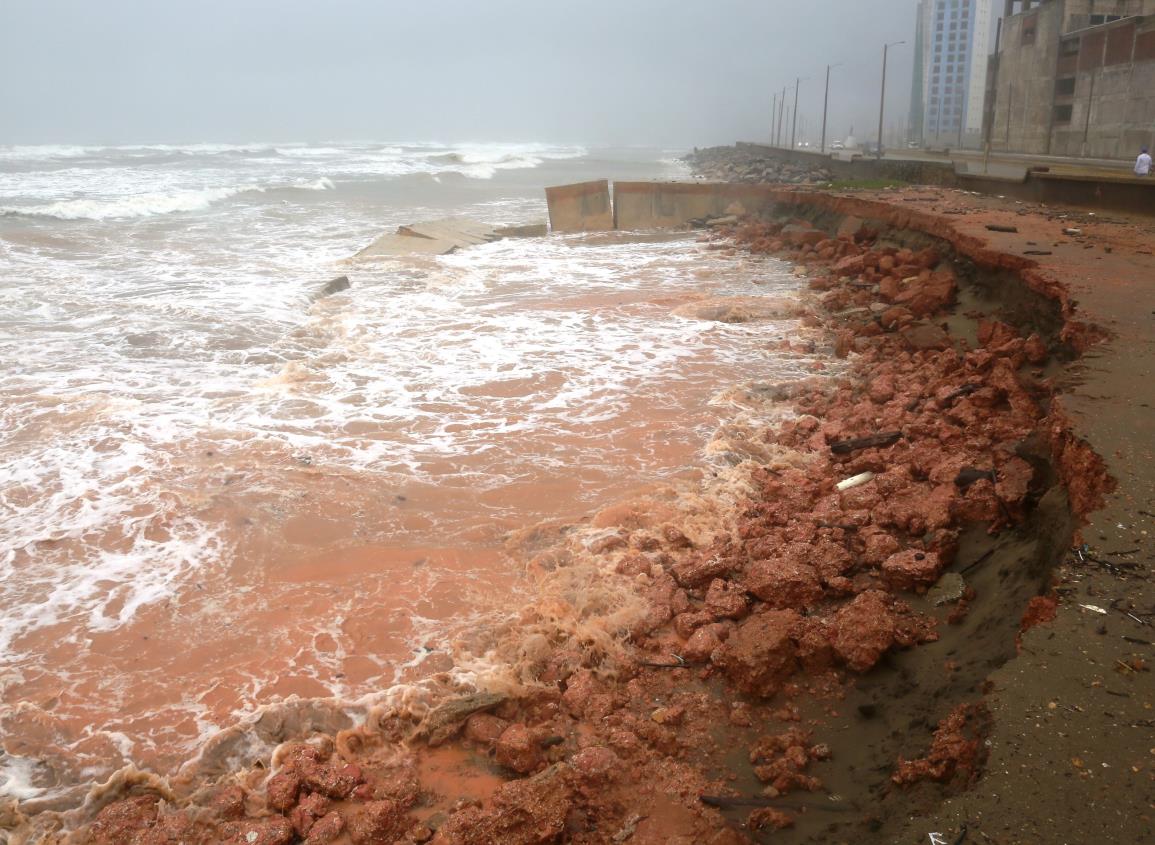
{"type": "Point", "coordinates": [220, 490]}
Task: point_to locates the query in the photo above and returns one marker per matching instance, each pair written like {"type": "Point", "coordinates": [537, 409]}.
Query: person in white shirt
{"type": "Point", "coordinates": [1143, 164]}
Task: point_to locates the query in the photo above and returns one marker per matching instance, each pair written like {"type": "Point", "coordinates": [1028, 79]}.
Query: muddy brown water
{"type": "Point", "coordinates": [332, 525]}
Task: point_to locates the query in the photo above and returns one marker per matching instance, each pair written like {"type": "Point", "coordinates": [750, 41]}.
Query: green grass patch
{"type": "Point", "coordinates": [865, 184]}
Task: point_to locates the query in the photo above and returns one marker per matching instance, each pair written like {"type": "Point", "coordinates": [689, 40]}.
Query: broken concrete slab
{"type": "Point", "coordinates": [529, 230]}
{"type": "Point", "coordinates": [435, 237]}
{"type": "Point", "coordinates": [441, 237]}
{"type": "Point", "coordinates": [341, 283]}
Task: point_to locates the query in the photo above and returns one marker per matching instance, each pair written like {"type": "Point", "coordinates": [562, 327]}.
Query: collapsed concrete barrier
{"type": "Point", "coordinates": [584, 207]}
{"type": "Point", "coordinates": [441, 237]}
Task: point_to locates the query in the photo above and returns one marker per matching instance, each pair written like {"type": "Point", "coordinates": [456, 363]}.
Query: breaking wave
{"type": "Point", "coordinates": [144, 205]}
{"type": "Point", "coordinates": [151, 204]}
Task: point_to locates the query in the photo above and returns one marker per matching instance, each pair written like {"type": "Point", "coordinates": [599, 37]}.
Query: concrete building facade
{"type": "Point", "coordinates": [952, 44]}
{"type": "Point", "coordinates": [1074, 78]}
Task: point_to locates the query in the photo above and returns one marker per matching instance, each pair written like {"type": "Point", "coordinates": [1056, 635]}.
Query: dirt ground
{"type": "Point", "coordinates": [1072, 751]}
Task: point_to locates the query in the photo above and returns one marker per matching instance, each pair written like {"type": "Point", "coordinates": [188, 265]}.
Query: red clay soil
{"type": "Point", "coordinates": [815, 586]}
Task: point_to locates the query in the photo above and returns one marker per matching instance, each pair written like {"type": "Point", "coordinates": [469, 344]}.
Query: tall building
{"type": "Point", "coordinates": [952, 44]}
{"type": "Point", "coordinates": [918, 78]}
{"type": "Point", "coordinates": [1074, 78]}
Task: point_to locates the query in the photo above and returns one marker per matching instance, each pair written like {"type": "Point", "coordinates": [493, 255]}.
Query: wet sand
{"type": "Point", "coordinates": [826, 692]}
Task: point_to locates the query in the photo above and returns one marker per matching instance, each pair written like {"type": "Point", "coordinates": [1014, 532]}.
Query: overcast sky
{"type": "Point", "coordinates": [672, 73]}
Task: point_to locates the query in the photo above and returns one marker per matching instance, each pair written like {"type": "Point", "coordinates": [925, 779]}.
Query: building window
{"type": "Point", "coordinates": [1029, 26]}
{"type": "Point", "coordinates": [1063, 113]}
{"type": "Point", "coordinates": [1065, 87]}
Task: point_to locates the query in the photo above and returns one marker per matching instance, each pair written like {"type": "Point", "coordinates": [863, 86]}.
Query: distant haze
{"type": "Point", "coordinates": [600, 72]}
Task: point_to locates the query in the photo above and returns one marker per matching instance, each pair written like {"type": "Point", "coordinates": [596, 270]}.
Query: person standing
{"type": "Point", "coordinates": [1143, 163]}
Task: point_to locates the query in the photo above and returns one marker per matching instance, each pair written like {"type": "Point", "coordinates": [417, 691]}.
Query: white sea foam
{"type": "Point", "coordinates": [43, 152]}
{"type": "Point", "coordinates": [124, 208]}
{"type": "Point", "coordinates": [16, 778]}
{"type": "Point", "coordinates": [322, 184]}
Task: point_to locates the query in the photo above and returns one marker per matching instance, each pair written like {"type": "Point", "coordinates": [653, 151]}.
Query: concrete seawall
{"type": "Point", "coordinates": [1119, 192]}
{"type": "Point", "coordinates": [584, 207]}
{"type": "Point", "coordinates": [588, 206]}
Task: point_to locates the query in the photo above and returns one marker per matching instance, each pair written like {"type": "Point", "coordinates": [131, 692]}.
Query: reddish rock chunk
{"type": "Point", "coordinates": [595, 764]}
{"type": "Point", "coordinates": [1040, 610]}
{"type": "Point", "coordinates": [703, 567]}
{"type": "Point", "coordinates": [685, 624]}
{"type": "Point", "coordinates": [118, 822]}
{"type": "Point", "coordinates": [815, 651]}
{"type": "Point", "coordinates": [229, 803]}
{"type": "Point", "coordinates": [326, 829]}
{"type": "Point", "coordinates": [864, 630]}
{"type": "Point", "coordinates": [281, 791]}
{"type": "Point", "coordinates": [925, 297]}
{"type": "Point", "coordinates": [1036, 350]}
{"type": "Point", "coordinates": [377, 823]}
{"type": "Point", "coordinates": [879, 545]}
{"type": "Point", "coordinates": [925, 337]}
{"type": "Point", "coordinates": [882, 389]}
{"type": "Point", "coordinates": [767, 818]}
{"type": "Point", "coordinates": [894, 317]}
{"type": "Point", "coordinates": [1014, 481]}
{"type": "Point", "coordinates": [726, 600]}
{"type": "Point", "coordinates": [760, 656]}
{"type": "Point", "coordinates": [957, 751]}
{"type": "Point", "coordinates": [851, 265]}
{"type": "Point", "coordinates": [911, 570]}
{"type": "Point", "coordinates": [312, 807]}
{"type": "Point", "coordinates": [274, 830]}
{"type": "Point", "coordinates": [333, 779]}
{"type": "Point", "coordinates": [783, 583]}
{"type": "Point", "coordinates": [524, 812]}
{"type": "Point", "coordinates": [702, 643]}
{"type": "Point", "coordinates": [517, 749]}
{"type": "Point", "coordinates": [484, 728]}
{"type": "Point", "coordinates": [580, 687]}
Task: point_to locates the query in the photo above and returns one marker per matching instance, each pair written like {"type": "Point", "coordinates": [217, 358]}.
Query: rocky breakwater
{"type": "Point", "coordinates": [853, 541]}
{"type": "Point", "coordinates": [733, 164]}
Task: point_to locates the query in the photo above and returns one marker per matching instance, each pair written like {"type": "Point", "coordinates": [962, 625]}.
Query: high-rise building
{"type": "Point", "coordinates": [952, 44]}
{"type": "Point", "coordinates": [918, 78]}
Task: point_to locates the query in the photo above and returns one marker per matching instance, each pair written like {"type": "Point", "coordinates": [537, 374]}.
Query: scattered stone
{"type": "Point", "coordinates": [950, 588]}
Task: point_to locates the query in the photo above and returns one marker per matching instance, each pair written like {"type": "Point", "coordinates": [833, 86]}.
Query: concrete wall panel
{"type": "Point", "coordinates": [584, 207]}
{"type": "Point", "coordinates": [663, 205]}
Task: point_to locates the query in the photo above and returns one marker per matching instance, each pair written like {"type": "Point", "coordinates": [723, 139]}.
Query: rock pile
{"type": "Point", "coordinates": [731, 164]}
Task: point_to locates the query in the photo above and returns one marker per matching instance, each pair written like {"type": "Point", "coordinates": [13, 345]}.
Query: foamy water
{"type": "Point", "coordinates": [221, 490]}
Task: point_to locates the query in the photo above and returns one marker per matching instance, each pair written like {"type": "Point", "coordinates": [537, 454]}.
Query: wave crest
{"type": "Point", "coordinates": [123, 208]}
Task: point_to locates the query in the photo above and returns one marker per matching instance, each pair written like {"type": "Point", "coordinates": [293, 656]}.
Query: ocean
{"type": "Point", "coordinates": [220, 489]}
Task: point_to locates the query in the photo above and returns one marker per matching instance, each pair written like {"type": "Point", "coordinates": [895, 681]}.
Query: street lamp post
{"type": "Point", "coordinates": [781, 118]}
{"type": "Point", "coordinates": [794, 122]}
{"type": "Point", "coordinates": [773, 118]}
{"type": "Point", "coordinates": [826, 104]}
{"type": "Point", "coordinates": [882, 103]}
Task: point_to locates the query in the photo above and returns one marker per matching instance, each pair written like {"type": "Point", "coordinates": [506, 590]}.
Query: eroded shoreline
{"type": "Point", "coordinates": [812, 590]}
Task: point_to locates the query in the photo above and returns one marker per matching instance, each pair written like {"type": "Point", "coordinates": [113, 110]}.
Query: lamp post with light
{"type": "Point", "coordinates": [826, 104]}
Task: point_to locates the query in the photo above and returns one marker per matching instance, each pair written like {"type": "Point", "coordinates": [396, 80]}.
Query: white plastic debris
{"type": "Point", "coordinates": [856, 481]}
{"type": "Point", "coordinates": [1093, 609]}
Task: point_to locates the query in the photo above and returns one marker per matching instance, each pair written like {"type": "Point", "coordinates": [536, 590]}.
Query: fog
{"type": "Point", "coordinates": [601, 72]}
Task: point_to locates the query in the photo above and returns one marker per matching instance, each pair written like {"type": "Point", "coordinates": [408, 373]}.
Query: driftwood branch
{"type": "Point", "coordinates": [845, 447]}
